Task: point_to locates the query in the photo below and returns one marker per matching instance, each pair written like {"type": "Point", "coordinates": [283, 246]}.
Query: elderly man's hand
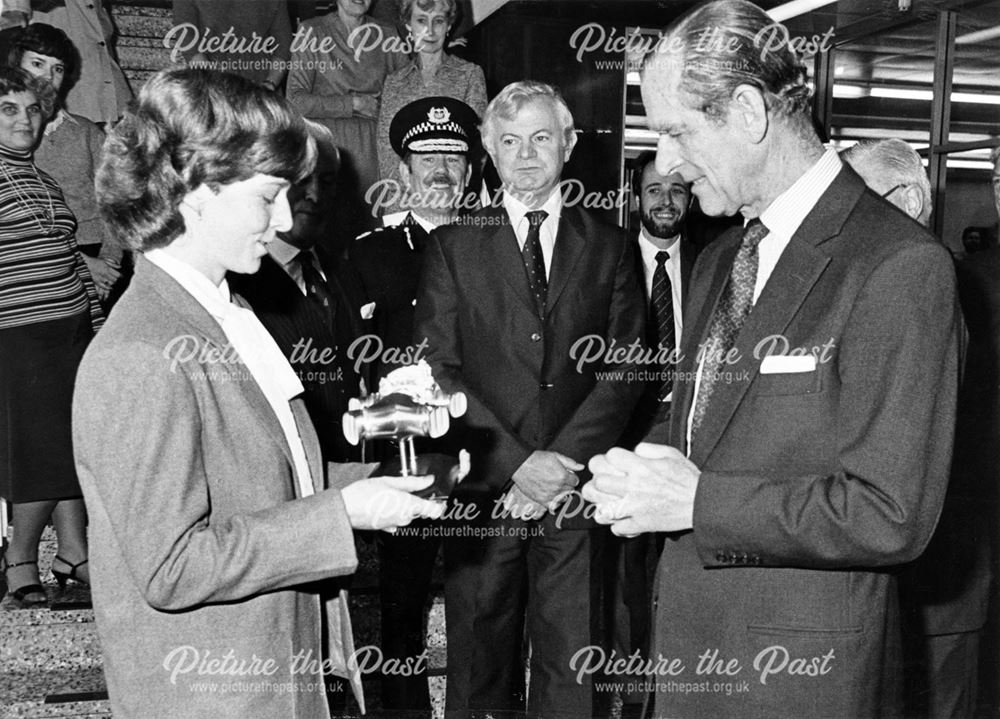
{"type": "Point", "coordinates": [386, 503]}
{"type": "Point", "coordinates": [545, 476]}
{"type": "Point", "coordinates": [649, 490]}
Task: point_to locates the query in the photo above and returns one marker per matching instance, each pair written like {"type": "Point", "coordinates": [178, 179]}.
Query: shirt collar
{"type": "Point", "coordinates": [784, 215]}
{"type": "Point", "coordinates": [282, 252]}
{"type": "Point", "coordinates": [648, 250]}
{"type": "Point", "coordinates": [517, 210]}
{"type": "Point", "coordinates": [214, 299]}
{"type": "Point", "coordinates": [394, 219]}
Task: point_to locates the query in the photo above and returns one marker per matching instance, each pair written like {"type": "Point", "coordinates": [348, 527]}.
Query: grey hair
{"type": "Point", "coordinates": [516, 95]}
{"type": "Point", "coordinates": [740, 53]}
{"type": "Point", "coordinates": [894, 162]}
{"type": "Point", "coordinates": [406, 9]}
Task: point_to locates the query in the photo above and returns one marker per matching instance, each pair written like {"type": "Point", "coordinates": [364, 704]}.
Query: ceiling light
{"type": "Point", "coordinates": [796, 8]}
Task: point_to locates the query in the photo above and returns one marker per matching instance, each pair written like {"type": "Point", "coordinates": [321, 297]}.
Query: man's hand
{"type": "Point", "coordinates": [519, 506]}
{"type": "Point", "coordinates": [386, 502]}
{"type": "Point", "coordinates": [104, 273]}
{"type": "Point", "coordinates": [649, 490]}
{"type": "Point", "coordinates": [546, 475]}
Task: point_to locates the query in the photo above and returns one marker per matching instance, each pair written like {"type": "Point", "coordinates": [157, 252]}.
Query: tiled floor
{"type": "Point", "coordinates": [48, 655]}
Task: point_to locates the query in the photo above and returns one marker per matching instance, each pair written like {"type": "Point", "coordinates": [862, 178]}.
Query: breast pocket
{"type": "Point", "coordinates": [788, 383]}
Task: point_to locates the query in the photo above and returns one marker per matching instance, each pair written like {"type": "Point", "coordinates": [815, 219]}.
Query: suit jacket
{"type": "Point", "coordinates": [644, 417]}
{"type": "Point", "coordinates": [947, 589]}
{"type": "Point", "coordinates": [814, 485]}
{"type": "Point", "coordinates": [527, 386]}
{"type": "Point", "coordinates": [198, 545]}
{"type": "Point", "coordinates": [294, 319]}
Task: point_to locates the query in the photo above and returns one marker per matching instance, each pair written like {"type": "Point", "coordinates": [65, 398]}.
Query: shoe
{"type": "Point", "coordinates": [63, 577]}
{"type": "Point", "coordinates": [22, 595]}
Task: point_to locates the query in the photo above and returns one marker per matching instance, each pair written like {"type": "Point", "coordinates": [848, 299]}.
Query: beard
{"type": "Point", "coordinates": [663, 228]}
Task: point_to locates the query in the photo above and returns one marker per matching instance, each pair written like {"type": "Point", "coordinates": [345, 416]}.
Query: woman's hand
{"type": "Point", "coordinates": [105, 275]}
{"type": "Point", "coordinates": [365, 105]}
{"type": "Point", "coordinates": [386, 502]}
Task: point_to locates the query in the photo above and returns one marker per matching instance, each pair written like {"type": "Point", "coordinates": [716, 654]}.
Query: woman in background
{"type": "Point", "coordinates": [213, 524]}
{"type": "Point", "coordinates": [340, 88]}
{"type": "Point", "coordinates": [70, 146]}
{"type": "Point", "coordinates": [48, 312]}
{"type": "Point", "coordinates": [431, 72]}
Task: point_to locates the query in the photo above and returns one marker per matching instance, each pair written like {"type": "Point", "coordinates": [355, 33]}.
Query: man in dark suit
{"type": "Point", "coordinates": [509, 299]}
{"type": "Point", "coordinates": [434, 138]}
{"type": "Point", "coordinates": [665, 261]}
{"type": "Point", "coordinates": [814, 410]}
{"type": "Point", "coordinates": [313, 304]}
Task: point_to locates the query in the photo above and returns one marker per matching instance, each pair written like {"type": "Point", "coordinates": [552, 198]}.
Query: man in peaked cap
{"type": "Point", "coordinates": [435, 138]}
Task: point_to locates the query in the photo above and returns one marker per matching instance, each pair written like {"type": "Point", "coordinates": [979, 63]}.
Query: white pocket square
{"type": "Point", "coordinates": [785, 364]}
{"type": "Point", "coordinates": [368, 311]}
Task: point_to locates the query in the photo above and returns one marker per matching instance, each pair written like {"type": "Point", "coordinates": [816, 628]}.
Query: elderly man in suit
{"type": "Point", "coordinates": [813, 418]}
{"type": "Point", "coordinates": [507, 300]}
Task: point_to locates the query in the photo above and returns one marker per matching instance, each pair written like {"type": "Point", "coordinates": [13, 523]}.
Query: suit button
{"type": "Point", "coordinates": [733, 557]}
{"type": "Point", "coordinates": [546, 385]}
{"type": "Point", "coordinates": [536, 337]}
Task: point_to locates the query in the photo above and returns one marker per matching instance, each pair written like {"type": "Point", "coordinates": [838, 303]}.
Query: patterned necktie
{"type": "Point", "coordinates": [661, 327]}
{"type": "Point", "coordinates": [316, 288]}
{"type": "Point", "coordinates": [730, 314]}
{"type": "Point", "coordinates": [534, 264]}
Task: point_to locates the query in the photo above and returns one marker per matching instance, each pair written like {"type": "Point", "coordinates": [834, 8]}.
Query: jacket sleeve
{"type": "Point", "coordinates": [894, 415]}
{"type": "Point", "coordinates": [139, 441]}
{"type": "Point", "coordinates": [602, 416]}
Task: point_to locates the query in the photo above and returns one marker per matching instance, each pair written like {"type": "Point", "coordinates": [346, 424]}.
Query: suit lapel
{"type": "Point", "coordinates": [210, 331]}
{"type": "Point", "coordinates": [505, 256]}
{"type": "Point", "coordinates": [569, 246]}
{"type": "Point", "coordinates": [699, 307]}
{"type": "Point", "coordinates": [799, 268]}
{"type": "Point", "coordinates": [794, 276]}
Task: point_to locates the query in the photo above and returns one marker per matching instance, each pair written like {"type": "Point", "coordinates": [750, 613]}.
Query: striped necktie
{"type": "Point", "coordinates": [661, 308]}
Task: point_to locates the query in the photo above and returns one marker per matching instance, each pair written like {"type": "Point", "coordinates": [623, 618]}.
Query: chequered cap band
{"type": "Point", "coordinates": [439, 144]}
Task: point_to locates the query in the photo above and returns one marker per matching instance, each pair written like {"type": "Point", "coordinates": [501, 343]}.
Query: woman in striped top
{"type": "Point", "coordinates": [48, 312]}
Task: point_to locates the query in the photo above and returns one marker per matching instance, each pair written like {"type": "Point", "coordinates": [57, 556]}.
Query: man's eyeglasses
{"type": "Point", "coordinates": [885, 195]}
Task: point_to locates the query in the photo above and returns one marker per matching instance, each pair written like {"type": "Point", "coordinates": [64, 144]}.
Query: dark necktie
{"type": "Point", "coordinates": [730, 314]}
{"type": "Point", "coordinates": [316, 287]}
{"type": "Point", "coordinates": [661, 326]}
{"type": "Point", "coordinates": [534, 264]}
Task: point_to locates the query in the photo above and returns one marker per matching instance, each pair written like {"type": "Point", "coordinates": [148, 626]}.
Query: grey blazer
{"type": "Point", "coordinates": [206, 568]}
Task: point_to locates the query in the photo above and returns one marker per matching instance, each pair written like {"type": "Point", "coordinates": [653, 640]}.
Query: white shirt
{"type": "Point", "coordinates": [255, 347]}
{"type": "Point", "coordinates": [517, 211]}
{"type": "Point", "coordinates": [396, 218]}
{"type": "Point", "coordinates": [782, 219]}
{"type": "Point", "coordinates": [648, 251]}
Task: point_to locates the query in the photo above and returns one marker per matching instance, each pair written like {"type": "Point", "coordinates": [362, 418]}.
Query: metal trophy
{"type": "Point", "coordinates": [408, 404]}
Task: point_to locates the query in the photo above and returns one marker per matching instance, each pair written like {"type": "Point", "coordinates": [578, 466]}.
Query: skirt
{"type": "Point", "coordinates": [38, 364]}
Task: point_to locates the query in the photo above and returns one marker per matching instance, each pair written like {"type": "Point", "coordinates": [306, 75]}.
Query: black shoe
{"type": "Point", "coordinates": [22, 595]}
{"type": "Point", "coordinates": [63, 577]}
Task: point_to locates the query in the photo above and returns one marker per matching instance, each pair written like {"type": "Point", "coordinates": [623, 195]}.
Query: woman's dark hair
{"type": "Point", "coordinates": [44, 40]}
{"type": "Point", "coordinates": [192, 127]}
{"type": "Point", "coordinates": [13, 79]}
